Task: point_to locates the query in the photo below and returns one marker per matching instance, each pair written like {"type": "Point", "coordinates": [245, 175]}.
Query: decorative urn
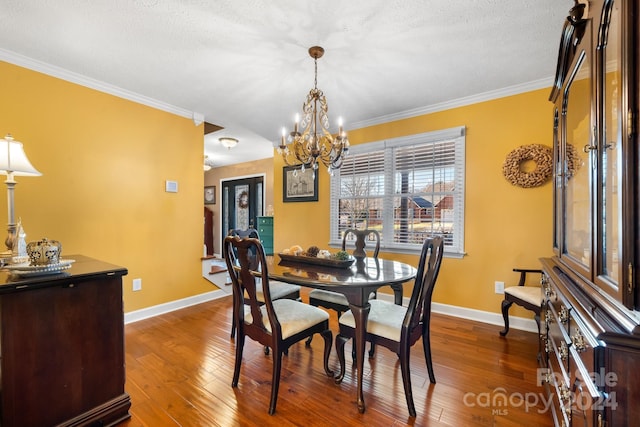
{"type": "Point", "coordinates": [44, 252]}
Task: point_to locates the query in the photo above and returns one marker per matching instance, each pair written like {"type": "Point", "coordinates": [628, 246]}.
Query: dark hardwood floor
{"type": "Point", "coordinates": [179, 367]}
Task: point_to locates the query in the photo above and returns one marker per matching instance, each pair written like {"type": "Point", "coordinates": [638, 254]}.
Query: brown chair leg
{"type": "Point", "coordinates": [236, 368]}
{"type": "Point", "coordinates": [328, 342]}
{"type": "Point", "coordinates": [406, 379]}
{"type": "Point", "coordinates": [372, 352]}
{"type": "Point", "coordinates": [505, 315]}
{"type": "Point", "coordinates": [275, 379]}
{"type": "Point", "coordinates": [426, 346]}
{"type": "Point", "coordinates": [340, 342]}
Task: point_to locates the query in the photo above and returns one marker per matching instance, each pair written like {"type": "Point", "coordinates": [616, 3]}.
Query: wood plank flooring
{"type": "Point", "coordinates": [179, 367]}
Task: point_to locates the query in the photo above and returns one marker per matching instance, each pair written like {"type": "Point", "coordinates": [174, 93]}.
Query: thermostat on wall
{"type": "Point", "coordinates": [171, 186]}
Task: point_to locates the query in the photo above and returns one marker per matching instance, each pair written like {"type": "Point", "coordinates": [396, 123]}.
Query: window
{"type": "Point", "coordinates": [407, 188]}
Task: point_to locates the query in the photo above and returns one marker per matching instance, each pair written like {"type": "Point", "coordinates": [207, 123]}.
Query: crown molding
{"type": "Point", "coordinates": [61, 73]}
{"type": "Point", "coordinates": [455, 103]}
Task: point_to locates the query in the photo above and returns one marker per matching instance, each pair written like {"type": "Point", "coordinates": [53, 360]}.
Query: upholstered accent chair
{"type": "Point", "coordinates": [529, 297]}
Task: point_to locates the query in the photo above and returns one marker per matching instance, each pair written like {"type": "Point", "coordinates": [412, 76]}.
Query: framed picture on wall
{"type": "Point", "coordinates": [210, 195]}
{"type": "Point", "coordinates": [298, 186]}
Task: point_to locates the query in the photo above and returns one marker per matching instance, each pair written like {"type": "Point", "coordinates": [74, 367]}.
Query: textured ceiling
{"type": "Point", "coordinates": [243, 64]}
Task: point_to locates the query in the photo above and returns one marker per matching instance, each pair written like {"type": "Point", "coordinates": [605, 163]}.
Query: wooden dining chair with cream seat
{"type": "Point", "coordinates": [273, 323]}
{"type": "Point", "coordinates": [279, 290]}
{"type": "Point", "coordinates": [397, 327]}
{"type": "Point", "coordinates": [334, 300]}
{"type": "Point", "coordinates": [529, 297]}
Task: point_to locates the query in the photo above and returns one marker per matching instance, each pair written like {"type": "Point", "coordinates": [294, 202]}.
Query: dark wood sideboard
{"type": "Point", "coordinates": [62, 347]}
{"type": "Point", "coordinates": [591, 287]}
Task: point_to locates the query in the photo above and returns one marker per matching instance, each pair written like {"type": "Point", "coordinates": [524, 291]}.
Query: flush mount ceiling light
{"type": "Point", "coordinates": [228, 142]}
{"type": "Point", "coordinates": [208, 163]}
{"type": "Point", "coordinates": [315, 144]}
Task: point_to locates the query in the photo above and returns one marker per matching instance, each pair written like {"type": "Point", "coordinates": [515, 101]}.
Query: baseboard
{"type": "Point", "coordinates": [156, 310]}
{"type": "Point", "coordinates": [520, 323]}
{"type": "Point", "coordinates": [450, 310]}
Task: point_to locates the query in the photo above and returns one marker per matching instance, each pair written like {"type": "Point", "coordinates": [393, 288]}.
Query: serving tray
{"type": "Point", "coordinates": [325, 262]}
{"type": "Point", "coordinates": [26, 270]}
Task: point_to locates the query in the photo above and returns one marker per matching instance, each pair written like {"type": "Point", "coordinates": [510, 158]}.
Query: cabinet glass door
{"type": "Point", "coordinates": [611, 147]}
{"type": "Point", "coordinates": [578, 154]}
{"type": "Point", "coordinates": [557, 181]}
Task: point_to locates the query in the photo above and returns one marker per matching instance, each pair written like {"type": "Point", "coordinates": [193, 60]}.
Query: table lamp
{"type": "Point", "coordinates": [13, 162]}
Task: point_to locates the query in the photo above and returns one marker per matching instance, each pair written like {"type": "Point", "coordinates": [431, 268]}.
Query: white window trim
{"type": "Point", "coordinates": [455, 134]}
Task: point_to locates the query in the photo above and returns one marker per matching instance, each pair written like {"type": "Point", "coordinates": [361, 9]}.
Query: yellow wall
{"type": "Point", "coordinates": [104, 162]}
{"type": "Point", "coordinates": [505, 226]}
{"type": "Point", "coordinates": [237, 171]}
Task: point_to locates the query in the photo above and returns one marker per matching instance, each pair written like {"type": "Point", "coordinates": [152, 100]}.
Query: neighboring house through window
{"type": "Point", "coordinates": [407, 188]}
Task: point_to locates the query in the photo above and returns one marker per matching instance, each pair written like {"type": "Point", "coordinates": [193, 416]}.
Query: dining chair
{"type": "Point", "coordinates": [279, 290]}
{"type": "Point", "coordinates": [397, 327]}
{"type": "Point", "coordinates": [273, 323]}
{"type": "Point", "coordinates": [529, 297]}
{"type": "Point", "coordinates": [336, 301]}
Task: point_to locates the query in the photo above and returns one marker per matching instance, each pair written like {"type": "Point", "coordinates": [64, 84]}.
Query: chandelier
{"type": "Point", "coordinates": [315, 144]}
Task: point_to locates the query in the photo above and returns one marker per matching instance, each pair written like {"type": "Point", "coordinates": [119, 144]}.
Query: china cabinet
{"type": "Point", "coordinates": [591, 296]}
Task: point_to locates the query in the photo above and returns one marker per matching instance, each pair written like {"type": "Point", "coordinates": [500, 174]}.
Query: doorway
{"type": "Point", "coordinates": [242, 203]}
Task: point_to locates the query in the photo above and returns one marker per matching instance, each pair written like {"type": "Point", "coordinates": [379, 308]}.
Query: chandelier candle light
{"type": "Point", "coordinates": [315, 144]}
{"type": "Point", "coordinates": [13, 162]}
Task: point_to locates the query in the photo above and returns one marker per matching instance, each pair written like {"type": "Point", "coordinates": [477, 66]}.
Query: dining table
{"type": "Point", "coordinates": [355, 278]}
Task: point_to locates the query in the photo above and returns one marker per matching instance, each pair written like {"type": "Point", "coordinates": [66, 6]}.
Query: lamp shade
{"type": "Point", "coordinates": [13, 159]}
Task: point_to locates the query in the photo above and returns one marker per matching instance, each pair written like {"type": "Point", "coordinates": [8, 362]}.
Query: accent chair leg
{"type": "Point", "coordinates": [506, 304]}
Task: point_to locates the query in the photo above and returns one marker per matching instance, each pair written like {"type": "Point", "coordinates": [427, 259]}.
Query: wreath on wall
{"type": "Point", "coordinates": [574, 161]}
{"type": "Point", "coordinates": [540, 154]}
{"type": "Point", "coordinates": [243, 200]}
